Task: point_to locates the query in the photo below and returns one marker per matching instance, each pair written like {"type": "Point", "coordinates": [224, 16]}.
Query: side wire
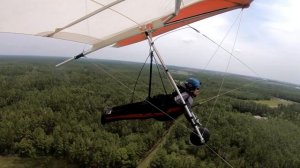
{"type": "Point", "coordinates": [219, 155]}
{"type": "Point", "coordinates": [160, 76]}
{"type": "Point", "coordinates": [136, 81]}
{"type": "Point", "coordinates": [227, 66]}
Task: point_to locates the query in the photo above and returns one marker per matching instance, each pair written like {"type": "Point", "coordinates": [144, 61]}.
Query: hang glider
{"type": "Point", "coordinates": [101, 23]}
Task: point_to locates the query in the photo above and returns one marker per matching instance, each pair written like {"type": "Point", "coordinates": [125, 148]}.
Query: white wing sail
{"type": "Point", "coordinates": [105, 22]}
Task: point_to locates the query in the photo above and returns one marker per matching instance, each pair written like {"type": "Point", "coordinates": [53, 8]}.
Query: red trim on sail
{"type": "Point", "coordinates": [195, 12]}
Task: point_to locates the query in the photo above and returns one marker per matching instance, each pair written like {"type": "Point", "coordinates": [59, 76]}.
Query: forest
{"type": "Point", "coordinates": [49, 112]}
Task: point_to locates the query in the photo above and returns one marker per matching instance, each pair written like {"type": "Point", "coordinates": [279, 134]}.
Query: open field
{"type": "Point", "coordinates": [275, 102]}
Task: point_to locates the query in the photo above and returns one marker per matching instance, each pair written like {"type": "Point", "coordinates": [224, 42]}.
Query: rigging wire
{"type": "Point", "coordinates": [87, 27]}
{"type": "Point", "coordinates": [223, 78]}
{"type": "Point", "coordinates": [110, 75]}
{"type": "Point", "coordinates": [248, 67]}
{"type": "Point", "coordinates": [239, 60]}
{"type": "Point", "coordinates": [219, 155]}
{"type": "Point", "coordinates": [136, 81]}
{"type": "Point", "coordinates": [118, 13]}
{"type": "Point", "coordinates": [170, 32]}
{"type": "Point", "coordinates": [161, 79]}
{"type": "Point", "coordinates": [229, 91]}
{"type": "Point", "coordinates": [139, 74]}
{"type": "Point", "coordinates": [227, 67]}
{"type": "Point", "coordinates": [219, 45]}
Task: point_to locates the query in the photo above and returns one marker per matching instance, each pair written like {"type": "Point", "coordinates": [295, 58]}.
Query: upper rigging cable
{"type": "Point", "coordinates": [227, 67]}
{"type": "Point", "coordinates": [151, 56]}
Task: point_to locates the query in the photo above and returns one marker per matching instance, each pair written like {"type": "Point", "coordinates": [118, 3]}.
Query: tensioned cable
{"type": "Point", "coordinates": [229, 91]}
{"type": "Point", "coordinates": [259, 76]}
{"type": "Point", "coordinates": [162, 82]}
{"type": "Point", "coordinates": [121, 14]}
{"type": "Point", "coordinates": [167, 33]}
{"type": "Point", "coordinates": [117, 12]}
{"type": "Point", "coordinates": [223, 78]}
{"type": "Point", "coordinates": [124, 76]}
{"type": "Point", "coordinates": [120, 82]}
{"type": "Point", "coordinates": [219, 155]}
{"type": "Point", "coordinates": [136, 81]}
{"type": "Point", "coordinates": [161, 68]}
{"type": "Point", "coordinates": [216, 99]}
{"type": "Point", "coordinates": [251, 69]}
{"type": "Point", "coordinates": [219, 45]}
{"type": "Point", "coordinates": [224, 49]}
{"type": "Point", "coordinates": [87, 26]}
{"type": "Point", "coordinates": [226, 70]}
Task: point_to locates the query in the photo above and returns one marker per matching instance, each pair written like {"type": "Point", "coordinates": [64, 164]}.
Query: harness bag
{"type": "Point", "coordinates": [160, 107]}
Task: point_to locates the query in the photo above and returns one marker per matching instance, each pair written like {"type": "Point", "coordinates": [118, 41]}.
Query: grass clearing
{"type": "Point", "coordinates": [275, 102]}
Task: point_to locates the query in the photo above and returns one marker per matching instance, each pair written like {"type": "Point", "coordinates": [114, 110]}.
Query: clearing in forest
{"type": "Point", "coordinates": [275, 102]}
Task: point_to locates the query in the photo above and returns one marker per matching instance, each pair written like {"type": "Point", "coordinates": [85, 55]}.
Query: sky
{"type": "Point", "coordinates": [262, 39]}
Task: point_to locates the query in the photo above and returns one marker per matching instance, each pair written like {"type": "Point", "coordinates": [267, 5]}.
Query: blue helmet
{"type": "Point", "coordinates": [192, 83]}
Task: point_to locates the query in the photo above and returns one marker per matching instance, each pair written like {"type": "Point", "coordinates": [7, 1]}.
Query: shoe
{"type": "Point", "coordinates": [107, 111]}
{"type": "Point", "coordinates": [104, 114]}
